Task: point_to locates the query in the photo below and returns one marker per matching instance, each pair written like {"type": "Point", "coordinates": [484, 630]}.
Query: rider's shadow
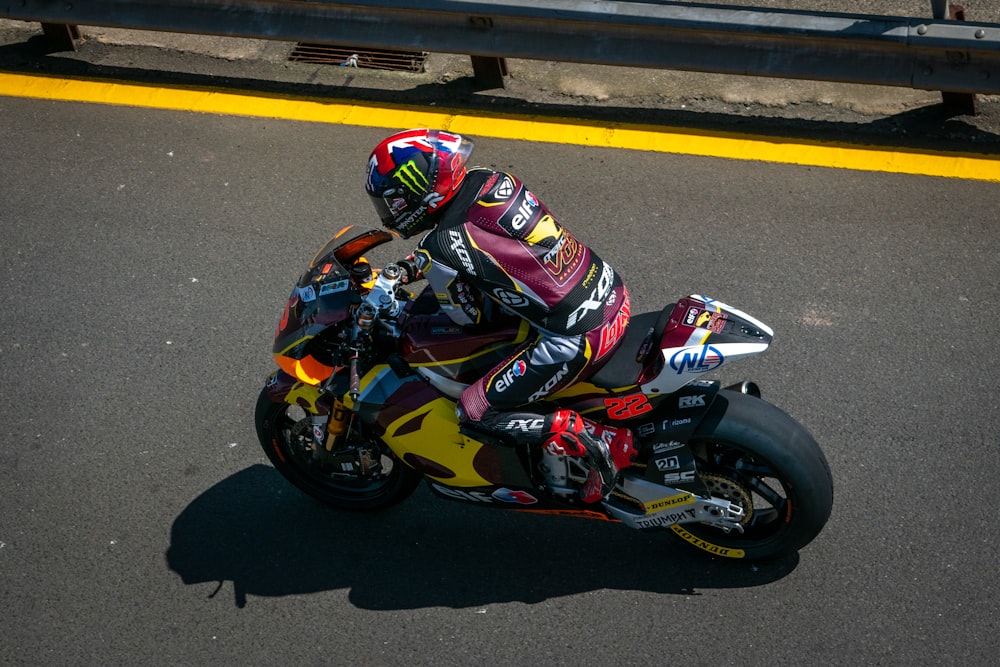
{"type": "Point", "coordinates": [256, 530]}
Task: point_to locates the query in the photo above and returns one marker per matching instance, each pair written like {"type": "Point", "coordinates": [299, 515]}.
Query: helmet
{"type": "Point", "coordinates": [412, 174]}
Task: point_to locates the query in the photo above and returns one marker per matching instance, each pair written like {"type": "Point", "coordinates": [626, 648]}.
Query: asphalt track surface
{"type": "Point", "coordinates": [146, 256]}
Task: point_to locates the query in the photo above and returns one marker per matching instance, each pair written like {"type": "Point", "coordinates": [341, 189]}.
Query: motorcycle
{"type": "Point", "coordinates": [362, 408]}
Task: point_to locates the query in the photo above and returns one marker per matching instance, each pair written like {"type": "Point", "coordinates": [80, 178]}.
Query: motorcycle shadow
{"type": "Point", "coordinates": [269, 539]}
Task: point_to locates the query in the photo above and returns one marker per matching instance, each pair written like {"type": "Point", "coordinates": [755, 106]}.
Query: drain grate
{"type": "Point", "coordinates": [351, 56]}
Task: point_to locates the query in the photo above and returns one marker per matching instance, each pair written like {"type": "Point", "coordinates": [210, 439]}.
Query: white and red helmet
{"type": "Point", "coordinates": [413, 174]}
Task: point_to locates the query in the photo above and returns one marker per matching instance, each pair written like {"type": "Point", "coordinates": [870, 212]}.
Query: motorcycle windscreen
{"type": "Point", "coordinates": [321, 298]}
{"type": "Point", "coordinates": [349, 244]}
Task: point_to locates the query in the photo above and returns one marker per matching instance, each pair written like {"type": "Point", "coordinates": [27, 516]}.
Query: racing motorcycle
{"type": "Point", "coordinates": [362, 407]}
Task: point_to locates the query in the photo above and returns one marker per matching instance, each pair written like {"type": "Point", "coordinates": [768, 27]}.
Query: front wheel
{"type": "Point", "coordinates": [285, 434]}
{"type": "Point", "coordinates": [756, 456]}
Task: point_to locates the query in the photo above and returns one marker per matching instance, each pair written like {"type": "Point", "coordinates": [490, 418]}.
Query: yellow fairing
{"type": "Point", "coordinates": [428, 440]}
{"type": "Point", "coordinates": [306, 396]}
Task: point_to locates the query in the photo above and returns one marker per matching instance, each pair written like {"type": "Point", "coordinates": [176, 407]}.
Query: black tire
{"type": "Point", "coordinates": [284, 434]}
{"type": "Point", "coordinates": [755, 455]}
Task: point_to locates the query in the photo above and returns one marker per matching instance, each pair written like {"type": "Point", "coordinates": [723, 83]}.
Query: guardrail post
{"type": "Point", "coordinates": [61, 36]}
{"type": "Point", "coordinates": [489, 72]}
{"type": "Point", "coordinates": [961, 104]}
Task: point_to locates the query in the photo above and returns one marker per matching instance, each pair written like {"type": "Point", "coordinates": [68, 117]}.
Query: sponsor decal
{"type": "Point", "coordinates": [471, 312]}
{"type": "Point", "coordinates": [646, 430]}
{"type": "Point", "coordinates": [564, 258]}
{"type": "Point", "coordinates": [707, 546]}
{"type": "Point", "coordinates": [517, 369]}
{"type": "Point", "coordinates": [525, 425]}
{"type": "Point", "coordinates": [665, 503]}
{"type": "Point", "coordinates": [504, 190]}
{"type": "Point", "coordinates": [525, 212]}
{"type": "Point", "coordinates": [458, 247]}
{"type": "Point", "coordinates": [627, 407]}
{"type": "Point", "coordinates": [307, 294]}
{"type": "Point", "coordinates": [546, 228]}
{"type": "Point", "coordinates": [668, 463]}
{"type": "Point", "coordinates": [674, 423]}
{"type": "Point", "coordinates": [697, 401]}
{"type": "Point", "coordinates": [612, 332]}
{"type": "Point", "coordinates": [413, 216]}
{"type": "Point", "coordinates": [714, 322]}
{"type": "Point", "coordinates": [423, 261]}
{"type": "Point", "coordinates": [487, 186]}
{"type": "Point", "coordinates": [334, 287]}
{"type": "Point", "coordinates": [433, 199]}
{"type": "Point", "coordinates": [678, 477]}
{"type": "Point", "coordinates": [469, 496]}
{"type": "Point", "coordinates": [705, 319]}
{"type": "Point", "coordinates": [397, 205]}
{"type": "Point", "coordinates": [550, 384]}
{"type": "Point", "coordinates": [697, 359]}
{"type": "Point", "coordinates": [411, 177]}
{"type": "Point", "coordinates": [508, 298]}
{"type": "Point", "coordinates": [666, 446]}
{"type": "Point", "coordinates": [514, 496]}
{"type": "Point", "coordinates": [597, 297]}
{"type": "Point", "coordinates": [462, 295]}
{"type": "Point", "coordinates": [664, 519]}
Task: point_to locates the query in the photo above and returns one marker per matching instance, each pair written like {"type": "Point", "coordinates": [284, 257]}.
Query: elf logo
{"type": "Point", "coordinates": [504, 382]}
{"type": "Point", "coordinates": [525, 212]}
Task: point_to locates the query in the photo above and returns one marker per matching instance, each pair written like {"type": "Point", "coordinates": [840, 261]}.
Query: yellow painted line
{"type": "Point", "coordinates": [971, 166]}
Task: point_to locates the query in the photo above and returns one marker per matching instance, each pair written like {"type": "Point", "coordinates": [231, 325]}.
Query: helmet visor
{"type": "Point", "coordinates": [383, 210]}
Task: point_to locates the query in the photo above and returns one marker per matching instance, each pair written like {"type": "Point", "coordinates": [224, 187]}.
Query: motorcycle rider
{"type": "Point", "coordinates": [491, 244]}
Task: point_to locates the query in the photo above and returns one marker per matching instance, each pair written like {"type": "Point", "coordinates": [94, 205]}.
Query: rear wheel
{"type": "Point", "coordinates": [756, 456]}
{"type": "Point", "coordinates": [285, 434]}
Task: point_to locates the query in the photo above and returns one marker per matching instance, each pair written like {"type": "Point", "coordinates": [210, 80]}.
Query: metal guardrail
{"type": "Point", "coordinates": [928, 54]}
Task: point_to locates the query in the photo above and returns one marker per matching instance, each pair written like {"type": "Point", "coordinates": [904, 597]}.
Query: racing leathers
{"type": "Point", "coordinates": [497, 246]}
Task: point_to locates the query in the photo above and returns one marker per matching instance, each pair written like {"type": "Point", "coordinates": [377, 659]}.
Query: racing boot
{"type": "Point", "coordinates": [607, 450]}
{"type": "Point", "coordinates": [620, 442]}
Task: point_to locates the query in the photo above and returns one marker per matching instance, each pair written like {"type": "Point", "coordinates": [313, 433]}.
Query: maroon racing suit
{"type": "Point", "coordinates": [496, 242]}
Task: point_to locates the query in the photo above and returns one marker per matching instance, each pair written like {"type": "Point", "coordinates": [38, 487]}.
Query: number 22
{"type": "Point", "coordinates": [627, 407]}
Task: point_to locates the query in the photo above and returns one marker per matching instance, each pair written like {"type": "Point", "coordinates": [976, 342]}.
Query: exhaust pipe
{"type": "Point", "coordinates": [746, 387]}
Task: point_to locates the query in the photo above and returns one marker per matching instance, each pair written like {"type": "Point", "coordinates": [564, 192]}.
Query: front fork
{"type": "Point", "coordinates": [331, 424]}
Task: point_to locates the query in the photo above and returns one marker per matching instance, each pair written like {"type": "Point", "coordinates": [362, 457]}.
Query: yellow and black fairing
{"type": "Point", "coordinates": [420, 425]}
{"type": "Point", "coordinates": [409, 405]}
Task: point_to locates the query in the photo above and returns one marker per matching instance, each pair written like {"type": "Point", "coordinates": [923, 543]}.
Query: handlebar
{"type": "Point", "coordinates": [380, 301]}
{"type": "Point", "coordinates": [382, 295]}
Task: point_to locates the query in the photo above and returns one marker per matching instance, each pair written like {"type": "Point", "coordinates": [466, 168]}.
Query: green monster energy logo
{"type": "Point", "coordinates": [411, 177]}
